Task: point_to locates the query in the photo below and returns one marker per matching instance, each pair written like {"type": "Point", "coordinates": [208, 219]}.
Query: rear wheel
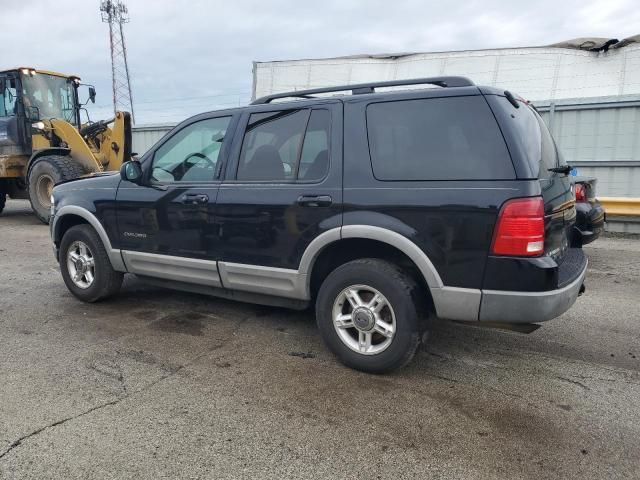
{"type": "Point", "coordinates": [85, 265]}
{"type": "Point", "coordinates": [43, 175]}
{"type": "Point", "coordinates": [368, 315]}
{"type": "Point", "coordinates": [3, 200]}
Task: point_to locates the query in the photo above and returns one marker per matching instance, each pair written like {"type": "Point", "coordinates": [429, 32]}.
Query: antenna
{"type": "Point", "coordinates": [115, 13]}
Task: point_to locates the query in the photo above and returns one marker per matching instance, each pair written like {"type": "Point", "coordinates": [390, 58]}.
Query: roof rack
{"type": "Point", "coordinates": [363, 88]}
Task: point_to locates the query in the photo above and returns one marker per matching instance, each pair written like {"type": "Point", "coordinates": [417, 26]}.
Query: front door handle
{"type": "Point", "coordinates": [194, 198]}
{"type": "Point", "coordinates": [314, 200]}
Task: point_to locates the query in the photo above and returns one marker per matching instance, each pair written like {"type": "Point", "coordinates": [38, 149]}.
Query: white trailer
{"type": "Point", "coordinates": [576, 69]}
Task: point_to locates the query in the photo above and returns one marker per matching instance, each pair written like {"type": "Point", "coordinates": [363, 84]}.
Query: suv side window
{"type": "Point", "coordinates": [447, 138]}
{"type": "Point", "coordinates": [285, 146]}
{"type": "Point", "coordinates": [271, 145]}
{"type": "Point", "coordinates": [314, 160]}
{"type": "Point", "coordinates": [191, 155]}
{"type": "Point", "coordinates": [538, 147]}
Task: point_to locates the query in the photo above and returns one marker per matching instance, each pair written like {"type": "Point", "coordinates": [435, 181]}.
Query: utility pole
{"type": "Point", "coordinates": [115, 13]}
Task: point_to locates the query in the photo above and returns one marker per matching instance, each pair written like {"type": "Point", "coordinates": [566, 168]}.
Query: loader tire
{"type": "Point", "coordinates": [44, 174]}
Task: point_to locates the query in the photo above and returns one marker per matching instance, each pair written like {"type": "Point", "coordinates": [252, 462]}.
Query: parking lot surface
{"type": "Point", "coordinates": [162, 384]}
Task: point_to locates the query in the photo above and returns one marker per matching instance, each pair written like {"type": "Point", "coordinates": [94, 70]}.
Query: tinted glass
{"type": "Point", "coordinates": [452, 138]}
{"type": "Point", "coordinates": [532, 134]}
{"type": "Point", "coordinates": [191, 155]}
{"type": "Point", "coordinates": [549, 151]}
{"type": "Point", "coordinates": [314, 161]}
{"type": "Point", "coordinates": [271, 146]}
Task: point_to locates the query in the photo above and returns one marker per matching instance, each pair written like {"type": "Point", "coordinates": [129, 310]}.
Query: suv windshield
{"type": "Point", "coordinates": [53, 96]}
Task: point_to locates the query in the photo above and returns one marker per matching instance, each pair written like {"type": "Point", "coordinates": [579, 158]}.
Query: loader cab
{"type": "Point", "coordinates": [14, 137]}
{"type": "Point", "coordinates": [46, 95]}
{"type": "Point", "coordinates": [28, 96]}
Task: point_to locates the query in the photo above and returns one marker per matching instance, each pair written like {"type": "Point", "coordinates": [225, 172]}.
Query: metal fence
{"type": "Point", "coordinates": [145, 136]}
{"type": "Point", "coordinates": [601, 138]}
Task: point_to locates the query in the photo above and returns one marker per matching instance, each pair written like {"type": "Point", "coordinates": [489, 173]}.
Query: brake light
{"type": "Point", "coordinates": [519, 230]}
{"type": "Point", "coordinates": [581, 193]}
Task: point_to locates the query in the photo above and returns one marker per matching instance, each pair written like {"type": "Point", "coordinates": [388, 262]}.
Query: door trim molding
{"type": "Point", "coordinates": [450, 302]}
{"type": "Point", "coordinates": [282, 282]}
{"type": "Point", "coordinates": [180, 269]}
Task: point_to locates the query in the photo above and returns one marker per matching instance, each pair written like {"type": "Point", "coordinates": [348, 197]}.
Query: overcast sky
{"type": "Point", "coordinates": [191, 56]}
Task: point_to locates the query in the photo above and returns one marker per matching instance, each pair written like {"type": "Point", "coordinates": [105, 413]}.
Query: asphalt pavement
{"type": "Point", "coordinates": [162, 384]}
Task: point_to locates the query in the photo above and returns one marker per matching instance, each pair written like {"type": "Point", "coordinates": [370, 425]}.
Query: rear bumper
{"type": "Point", "coordinates": [530, 307]}
{"type": "Point", "coordinates": [590, 220]}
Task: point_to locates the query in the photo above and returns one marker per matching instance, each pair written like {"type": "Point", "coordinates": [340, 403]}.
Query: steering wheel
{"type": "Point", "coordinates": [199, 155]}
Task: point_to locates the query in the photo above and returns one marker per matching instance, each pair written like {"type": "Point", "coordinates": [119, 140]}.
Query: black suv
{"type": "Point", "coordinates": [380, 208]}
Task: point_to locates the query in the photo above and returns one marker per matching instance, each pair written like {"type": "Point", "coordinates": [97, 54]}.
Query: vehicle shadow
{"type": "Point", "coordinates": [19, 213]}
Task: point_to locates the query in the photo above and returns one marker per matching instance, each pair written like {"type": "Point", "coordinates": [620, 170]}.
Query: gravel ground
{"type": "Point", "coordinates": [160, 384]}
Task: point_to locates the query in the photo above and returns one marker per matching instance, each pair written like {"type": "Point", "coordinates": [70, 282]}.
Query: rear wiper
{"type": "Point", "coordinates": [566, 169]}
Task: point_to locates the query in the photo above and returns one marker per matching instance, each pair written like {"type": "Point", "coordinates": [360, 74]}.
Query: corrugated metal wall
{"type": "Point", "coordinates": [601, 138]}
{"type": "Point", "coordinates": [597, 134]}
{"type": "Point", "coordinates": [613, 181]}
{"type": "Point", "coordinates": [145, 136]}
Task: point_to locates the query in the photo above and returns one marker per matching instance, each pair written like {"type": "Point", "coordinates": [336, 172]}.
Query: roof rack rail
{"type": "Point", "coordinates": [363, 88]}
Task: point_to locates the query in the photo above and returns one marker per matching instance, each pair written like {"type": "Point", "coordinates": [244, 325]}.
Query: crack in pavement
{"type": "Point", "coordinates": [485, 387]}
{"type": "Point", "coordinates": [575, 382]}
{"type": "Point", "coordinates": [209, 350]}
{"type": "Point", "coordinates": [19, 441]}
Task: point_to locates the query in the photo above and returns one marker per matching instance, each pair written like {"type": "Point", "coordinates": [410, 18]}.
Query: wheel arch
{"type": "Point", "coordinates": [453, 303]}
{"type": "Point", "coordinates": [71, 215]}
{"type": "Point", "coordinates": [359, 241]}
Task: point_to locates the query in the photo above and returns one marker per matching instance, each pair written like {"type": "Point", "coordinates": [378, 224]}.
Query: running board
{"type": "Point", "coordinates": [525, 328]}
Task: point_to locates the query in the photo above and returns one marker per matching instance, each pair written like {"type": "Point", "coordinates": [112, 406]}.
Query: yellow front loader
{"type": "Point", "coordinates": [44, 142]}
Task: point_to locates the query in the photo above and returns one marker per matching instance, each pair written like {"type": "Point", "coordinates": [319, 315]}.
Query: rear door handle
{"type": "Point", "coordinates": [314, 200]}
{"type": "Point", "coordinates": [194, 198]}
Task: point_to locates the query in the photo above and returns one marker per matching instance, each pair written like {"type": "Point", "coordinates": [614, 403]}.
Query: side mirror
{"type": "Point", "coordinates": [33, 113]}
{"type": "Point", "coordinates": [131, 172]}
{"type": "Point", "coordinates": [92, 94]}
{"type": "Point", "coordinates": [3, 85]}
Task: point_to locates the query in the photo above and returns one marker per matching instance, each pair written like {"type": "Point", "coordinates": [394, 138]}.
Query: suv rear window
{"type": "Point", "coordinates": [449, 138]}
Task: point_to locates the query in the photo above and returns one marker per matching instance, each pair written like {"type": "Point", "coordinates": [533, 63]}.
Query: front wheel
{"type": "Point", "coordinates": [43, 175]}
{"type": "Point", "coordinates": [367, 312]}
{"type": "Point", "coordinates": [85, 265]}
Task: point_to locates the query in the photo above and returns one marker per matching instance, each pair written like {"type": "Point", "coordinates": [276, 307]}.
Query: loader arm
{"type": "Point", "coordinates": [79, 150]}
{"type": "Point", "coordinates": [114, 143]}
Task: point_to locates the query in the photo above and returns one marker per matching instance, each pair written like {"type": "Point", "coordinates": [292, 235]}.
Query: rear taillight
{"type": "Point", "coordinates": [581, 193]}
{"type": "Point", "coordinates": [519, 230]}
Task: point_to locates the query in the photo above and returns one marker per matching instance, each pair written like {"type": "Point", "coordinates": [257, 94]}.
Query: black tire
{"type": "Point", "coordinates": [3, 201]}
{"type": "Point", "coordinates": [404, 296]}
{"type": "Point", "coordinates": [106, 280]}
{"type": "Point", "coordinates": [46, 170]}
